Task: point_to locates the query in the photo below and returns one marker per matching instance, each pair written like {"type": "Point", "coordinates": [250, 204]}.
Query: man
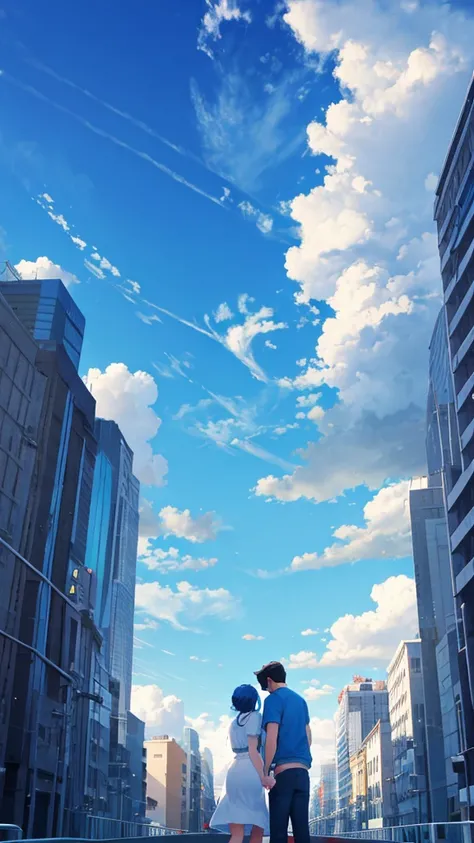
{"type": "Point", "coordinates": [287, 754]}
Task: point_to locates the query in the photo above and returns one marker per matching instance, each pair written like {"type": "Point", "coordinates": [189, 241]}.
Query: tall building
{"type": "Point", "coordinates": [407, 721]}
{"type": "Point", "coordinates": [166, 782]}
{"type": "Point", "coordinates": [193, 782]}
{"type": "Point", "coordinates": [112, 556]}
{"type": "Point", "coordinates": [454, 214]}
{"type": "Point", "coordinates": [46, 752]}
{"type": "Point", "coordinates": [436, 615]}
{"type": "Point", "coordinates": [358, 803]}
{"type": "Point", "coordinates": [137, 761]}
{"type": "Point", "coordinates": [208, 802]}
{"type": "Point", "coordinates": [21, 401]}
{"type": "Point", "coordinates": [361, 705]}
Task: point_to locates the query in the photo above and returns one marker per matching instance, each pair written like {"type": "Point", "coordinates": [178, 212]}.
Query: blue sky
{"type": "Point", "coordinates": [239, 196]}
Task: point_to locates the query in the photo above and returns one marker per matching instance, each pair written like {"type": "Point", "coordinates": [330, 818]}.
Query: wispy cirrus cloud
{"type": "Point", "coordinates": [218, 12]}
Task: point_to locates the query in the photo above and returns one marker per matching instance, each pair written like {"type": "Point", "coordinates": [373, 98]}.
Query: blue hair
{"type": "Point", "coordinates": [245, 699]}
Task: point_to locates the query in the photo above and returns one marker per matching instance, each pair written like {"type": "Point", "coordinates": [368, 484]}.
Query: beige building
{"type": "Point", "coordinates": [358, 765]}
{"type": "Point", "coordinates": [166, 782]}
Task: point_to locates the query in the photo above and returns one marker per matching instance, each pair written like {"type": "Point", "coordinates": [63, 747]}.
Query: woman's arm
{"type": "Point", "coordinates": [255, 756]}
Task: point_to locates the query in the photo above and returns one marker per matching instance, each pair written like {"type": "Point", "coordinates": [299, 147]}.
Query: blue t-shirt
{"type": "Point", "coordinates": [291, 713]}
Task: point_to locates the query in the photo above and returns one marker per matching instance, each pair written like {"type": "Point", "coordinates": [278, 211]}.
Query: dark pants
{"type": "Point", "coordinates": [289, 800]}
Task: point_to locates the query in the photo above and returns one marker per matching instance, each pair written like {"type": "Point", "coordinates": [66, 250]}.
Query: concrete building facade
{"type": "Point", "coordinates": [166, 782]}
{"type": "Point", "coordinates": [406, 701]}
{"type": "Point", "coordinates": [361, 705]}
{"type": "Point", "coordinates": [454, 215]}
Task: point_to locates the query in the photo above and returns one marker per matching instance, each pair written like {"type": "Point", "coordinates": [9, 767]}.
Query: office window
{"type": "Point", "coordinates": [158, 755]}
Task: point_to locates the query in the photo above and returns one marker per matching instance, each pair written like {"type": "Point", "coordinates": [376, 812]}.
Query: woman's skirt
{"type": "Point", "coordinates": [243, 799]}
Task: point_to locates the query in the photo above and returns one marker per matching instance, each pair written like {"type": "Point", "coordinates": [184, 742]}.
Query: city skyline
{"type": "Point", "coordinates": [267, 480]}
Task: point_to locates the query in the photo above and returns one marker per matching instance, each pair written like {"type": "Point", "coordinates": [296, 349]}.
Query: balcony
{"type": "Point", "coordinates": [461, 532]}
{"type": "Point", "coordinates": [461, 484]}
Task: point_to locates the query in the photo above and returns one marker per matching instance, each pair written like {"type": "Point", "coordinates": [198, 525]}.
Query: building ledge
{"type": "Point", "coordinates": [461, 532]}
{"type": "Point", "coordinates": [463, 480]}
{"type": "Point", "coordinates": [465, 577]}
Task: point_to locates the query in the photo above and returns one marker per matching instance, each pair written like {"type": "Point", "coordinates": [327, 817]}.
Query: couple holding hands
{"type": "Point", "coordinates": [272, 753]}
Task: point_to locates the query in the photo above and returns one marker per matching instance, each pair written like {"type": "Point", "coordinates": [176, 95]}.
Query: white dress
{"type": "Point", "coordinates": [243, 799]}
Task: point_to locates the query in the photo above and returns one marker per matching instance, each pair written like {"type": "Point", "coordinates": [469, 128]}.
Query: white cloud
{"type": "Point", "coordinates": [242, 303]}
{"type": "Point", "coordinates": [79, 242]}
{"type": "Point", "coordinates": [198, 659]}
{"type": "Point", "coordinates": [431, 182]}
{"type": "Point", "coordinates": [308, 400]}
{"type": "Point", "coordinates": [366, 241]}
{"type": "Point", "coordinates": [164, 561]}
{"type": "Point", "coordinates": [147, 623]}
{"type": "Point", "coordinates": [59, 220]}
{"type": "Point", "coordinates": [386, 534]}
{"type": "Point", "coordinates": [43, 267]}
{"type": "Point", "coordinates": [264, 222]}
{"type": "Point", "coordinates": [250, 637]}
{"type": "Point", "coordinates": [128, 399]}
{"type": "Point", "coordinates": [269, 344]}
{"type": "Point", "coordinates": [99, 273]}
{"type": "Point", "coordinates": [187, 605]}
{"type": "Point", "coordinates": [180, 523]}
{"type": "Point", "coordinates": [163, 715]}
{"type": "Point", "coordinates": [307, 632]}
{"type": "Point", "coordinates": [312, 694]}
{"type": "Point", "coordinates": [223, 313]}
{"type": "Point", "coordinates": [374, 636]}
{"type": "Point", "coordinates": [239, 338]}
{"type": "Point", "coordinates": [304, 660]}
{"type": "Point", "coordinates": [219, 11]}
{"type": "Point", "coordinates": [49, 199]}
{"type": "Point", "coordinates": [104, 263]}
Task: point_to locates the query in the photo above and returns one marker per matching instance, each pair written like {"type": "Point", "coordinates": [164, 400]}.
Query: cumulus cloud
{"type": "Point", "coordinates": [371, 636]}
{"type": "Point", "coordinates": [306, 633]}
{"type": "Point", "coordinates": [165, 561]}
{"type": "Point", "coordinates": [128, 399]}
{"type": "Point", "coordinates": [163, 715]}
{"type": "Point", "coordinates": [375, 635]}
{"type": "Point", "coordinates": [366, 233]}
{"type": "Point", "coordinates": [386, 533]}
{"type": "Point", "coordinates": [218, 12]}
{"type": "Point", "coordinates": [214, 734]}
{"type": "Point", "coordinates": [304, 660]}
{"type": "Point", "coordinates": [180, 523]}
{"type": "Point", "coordinates": [250, 637]}
{"type": "Point", "coordinates": [42, 268]}
{"type": "Point", "coordinates": [316, 693]}
{"type": "Point", "coordinates": [187, 605]}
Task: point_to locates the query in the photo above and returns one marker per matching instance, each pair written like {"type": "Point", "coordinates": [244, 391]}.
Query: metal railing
{"type": "Point", "coordinates": [103, 828]}
{"type": "Point", "coordinates": [460, 832]}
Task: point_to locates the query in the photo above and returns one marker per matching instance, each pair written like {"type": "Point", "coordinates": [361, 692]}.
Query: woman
{"type": "Point", "coordinates": [242, 808]}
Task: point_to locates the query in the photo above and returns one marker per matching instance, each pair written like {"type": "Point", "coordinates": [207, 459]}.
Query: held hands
{"type": "Point", "coordinates": [268, 782]}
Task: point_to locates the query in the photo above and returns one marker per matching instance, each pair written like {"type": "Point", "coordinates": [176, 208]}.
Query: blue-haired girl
{"type": "Point", "coordinates": [242, 809]}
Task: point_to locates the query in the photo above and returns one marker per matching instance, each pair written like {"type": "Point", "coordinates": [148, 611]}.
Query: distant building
{"type": "Point", "coordinates": [193, 782]}
{"type": "Point", "coordinates": [361, 705]}
{"type": "Point", "coordinates": [112, 556]}
{"type": "Point", "coordinates": [407, 721]}
{"type": "Point", "coordinates": [166, 782]}
{"type": "Point", "coordinates": [436, 613]}
{"type": "Point", "coordinates": [137, 755]}
{"type": "Point", "coordinates": [454, 214]}
{"type": "Point", "coordinates": [208, 802]}
{"type": "Point", "coordinates": [380, 807]}
{"type": "Point", "coordinates": [325, 801]}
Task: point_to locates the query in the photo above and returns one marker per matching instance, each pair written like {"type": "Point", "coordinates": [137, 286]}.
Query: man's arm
{"type": "Point", "coordinates": [309, 735]}
{"type": "Point", "coordinates": [270, 745]}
